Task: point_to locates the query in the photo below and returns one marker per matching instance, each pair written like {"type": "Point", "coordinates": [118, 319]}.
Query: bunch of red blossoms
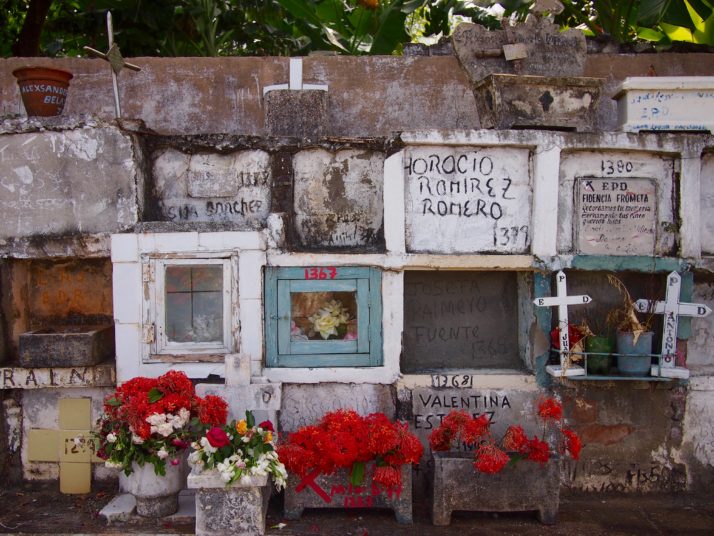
{"type": "Point", "coordinates": [152, 420]}
{"type": "Point", "coordinates": [345, 439]}
{"type": "Point", "coordinates": [460, 428]}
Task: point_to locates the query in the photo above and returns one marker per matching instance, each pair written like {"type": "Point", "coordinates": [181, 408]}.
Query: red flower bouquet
{"type": "Point", "coordinates": [151, 420]}
{"type": "Point", "coordinates": [345, 439]}
{"type": "Point", "coordinates": [490, 456]}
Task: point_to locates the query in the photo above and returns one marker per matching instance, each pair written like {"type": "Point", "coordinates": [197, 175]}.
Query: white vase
{"type": "Point", "coordinates": [156, 495]}
{"type": "Point", "coordinates": [236, 509]}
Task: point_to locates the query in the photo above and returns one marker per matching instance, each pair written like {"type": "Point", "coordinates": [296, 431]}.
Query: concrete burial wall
{"type": "Point", "coordinates": [466, 225]}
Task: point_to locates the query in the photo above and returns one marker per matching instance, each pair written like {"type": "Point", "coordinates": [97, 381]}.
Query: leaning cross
{"type": "Point", "coordinates": [672, 309]}
{"type": "Point", "coordinates": [562, 300]}
{"type": "Point", "coordinates": [116, 61]}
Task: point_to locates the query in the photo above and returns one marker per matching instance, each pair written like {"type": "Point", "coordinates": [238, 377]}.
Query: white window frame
{"type": "Point", "coordinates": [157, 347]}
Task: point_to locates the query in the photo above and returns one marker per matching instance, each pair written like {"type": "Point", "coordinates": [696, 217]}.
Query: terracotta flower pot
{"type": "Point", "coordinates": [43, 89]}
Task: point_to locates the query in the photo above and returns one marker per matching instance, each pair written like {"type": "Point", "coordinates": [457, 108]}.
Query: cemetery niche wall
{"type": "Point", "coordinates": [466, 227]}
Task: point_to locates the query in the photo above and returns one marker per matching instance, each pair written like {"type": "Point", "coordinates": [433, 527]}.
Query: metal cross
{"type": "Point", "coordinates": [672, 309]}
{"type": "Point", "coordinates": [562, 300]}
{"type": "Point", "coordinates": [116, 61]}
{"type": "Point", "coordinates": [295, 79]}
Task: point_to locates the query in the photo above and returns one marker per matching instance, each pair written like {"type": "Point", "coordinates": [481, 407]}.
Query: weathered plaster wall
{"type": "Point", "coordinates": [368, 96]}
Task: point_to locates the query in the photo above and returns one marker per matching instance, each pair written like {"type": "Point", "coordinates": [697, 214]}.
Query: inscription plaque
{"type": "Point", "coordinates": [460, 320]}
{"type": "Point", "coordinates": [616, 216]}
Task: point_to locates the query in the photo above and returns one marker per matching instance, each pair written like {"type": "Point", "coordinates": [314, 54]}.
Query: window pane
{"type": "Point", "coordinates": [194, 303]}
{"type": "Point", "coordinates": [321, 316]}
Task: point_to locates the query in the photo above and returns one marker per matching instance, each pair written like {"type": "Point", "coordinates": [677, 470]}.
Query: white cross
{"type": "Point", "coordinates": [295, 79]}
{"type": "Point", "coordinates": [562, 300]}
{"type": "Point", "coordinates": [114, 57]}
{"type": "Point", "coordinates": [672, 309]}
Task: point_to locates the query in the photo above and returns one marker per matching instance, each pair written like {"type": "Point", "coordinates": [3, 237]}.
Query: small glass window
{"type": "Point", "coordinates": [323, 317]}
{"type": "Point", "coordinates": [194, 303]}
{"type": "Point", "coordinates": [191, 308]}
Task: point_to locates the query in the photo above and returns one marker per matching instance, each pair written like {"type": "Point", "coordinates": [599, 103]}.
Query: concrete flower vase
{"type": "Point", "coordinates": [236, 509]}
{"type": "Point", "coordinates": [335, 491]}
{"type": "Point", "coordinates": [43, 89]}
{"type": "Point", "coordinates": [156, 495]}
{"type": "Point", "coordinates": [521, 487]}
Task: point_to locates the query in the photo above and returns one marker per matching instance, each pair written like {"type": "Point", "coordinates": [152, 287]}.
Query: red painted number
{"type": "Point", "coordinates": [314, 272]}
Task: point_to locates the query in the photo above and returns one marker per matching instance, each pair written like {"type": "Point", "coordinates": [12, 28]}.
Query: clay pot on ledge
{"type": "Point", "coordinates": [43, 89]}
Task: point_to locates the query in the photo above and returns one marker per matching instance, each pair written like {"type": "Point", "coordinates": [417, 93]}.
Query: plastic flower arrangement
{"type": "Point", "coordinates": [458, 427]}
{"type": "Point", "coordinates": [329, 319]}
{"type": "Point", "coordinates": [239, 449]}
{"type": "Point", "coordinates": [345, 439]}
{"type": "Point", "coordinates": [150, 420]}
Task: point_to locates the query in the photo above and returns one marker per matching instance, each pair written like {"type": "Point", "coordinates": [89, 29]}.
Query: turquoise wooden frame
{"type": "Point", "coordinates": [365, 351]}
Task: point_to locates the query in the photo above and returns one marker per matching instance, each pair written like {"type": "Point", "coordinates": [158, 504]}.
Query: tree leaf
{"type": "Point", "coordinates": [155, 395]}
{"type": "Point", "coordinates": [650, 12]}
{"type": "Point", "coordinates": [357, 474]}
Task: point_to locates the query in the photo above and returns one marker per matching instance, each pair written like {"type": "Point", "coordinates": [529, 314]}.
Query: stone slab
{"type": "Point", "coordinates": [468, 199]}
{"type": "Point", "coordinates": [706, 182]}
{"type": "Point", "coordinates": [549, 52]}
{"type": "Point", "coordinates": [63, 183]}
{"type": "Point", "coordinates": [616, 217]}
{"type": "Point", "coordinates": [301, 114]}
{"type": "Point", "coordinates": [66, 346]}
{"type": "Point", "coordinates": [254, 397]}
{"type": "Point", "coordinates": [338, 198]}
{"type": "Point", "coordinates": [460, 320]}
{"type": "Point", "coordinates": [231, 188]}
{"type": "Point", "coordinates": [305, 404]}
{"type": "Point", "coordinates": [103, 375]}
{"type": "Point", "coordinates": [119, 509]}
{"type": "Point", "coordinates": [506, 101]}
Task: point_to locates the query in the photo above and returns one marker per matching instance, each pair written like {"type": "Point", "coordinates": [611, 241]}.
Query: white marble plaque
{"type": "Point", "coordinates": [467, 199]}
{"type": "Point", "coordinates": [616, 216]}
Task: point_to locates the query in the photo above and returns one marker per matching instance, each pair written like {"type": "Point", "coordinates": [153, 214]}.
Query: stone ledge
{"type": "Point", "coordinates": [102, 375]}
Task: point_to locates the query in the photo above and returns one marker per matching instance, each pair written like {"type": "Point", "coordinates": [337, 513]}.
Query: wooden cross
{"type": "Point", "coordinates": [672, 309]}
{"type": "Point", "coordinates": [116, 61]}
{"type": "Point", "coordinates": [562, 300]}
{"type": "Point", "coordinates": [296, 83]}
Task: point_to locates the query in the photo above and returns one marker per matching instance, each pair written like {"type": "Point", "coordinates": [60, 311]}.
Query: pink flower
{"type": "Point", "coordinates": [350, 336]}
{"type": "Point", "coordinates": [175, 461]}
{"type": "Point", "coordinates": [179, 443]}
{"type": "Point", "coordinates": [217, 437]}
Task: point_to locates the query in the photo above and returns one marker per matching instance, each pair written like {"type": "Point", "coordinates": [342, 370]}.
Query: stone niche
{"type": "Point", "coordinates": [207, 187]}
{"type": "Point", "coordinates": [616, 203]}
{"type": "Point", "coordinates": [468, 199]}
{"type": "Point", "coordinates": [60, 312]}
{"type": "Point", "coordinates": [338, 199]}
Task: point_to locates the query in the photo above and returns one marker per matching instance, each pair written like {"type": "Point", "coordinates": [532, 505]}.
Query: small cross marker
{"type": "Point", "coordinates": [295, 79]}
{"type": "Point", "coordinates": [562, 300]}
{"type": "Point", "coordinates": [672, 309]}
{"type": "Point", "coordinates": [116, 61]}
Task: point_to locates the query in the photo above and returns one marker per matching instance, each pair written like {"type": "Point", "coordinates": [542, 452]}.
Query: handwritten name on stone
{"type": "Point", "coordinates": [38, 378]}
{"type": "Point", "coordinates": [467, 199]}
{"type": "Point", "coordinates": [617, 216]}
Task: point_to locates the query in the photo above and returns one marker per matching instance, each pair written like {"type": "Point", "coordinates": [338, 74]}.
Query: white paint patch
{"type": "Point", "coordinates": [24, 174]}
{"type": "Point", "coordinates": [13, 425]}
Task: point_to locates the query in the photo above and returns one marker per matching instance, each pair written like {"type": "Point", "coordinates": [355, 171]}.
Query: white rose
{"type": "Point", "coordinates": [112, 465]}
{"type": "Point", "coordinates": [156, 419]}
{"type": "Point", "coordinates": [111, 438]}
{"type": "Point", "coordinates": [163, 453]}
{"type": "Point", "coordinates": [325, 324]}
{"type": "Point", "coordinates": [165, 429]}
{"type": "Point", "coordinates": [137, 440]}
{"type": "Point", "coordinates": [207, 446]}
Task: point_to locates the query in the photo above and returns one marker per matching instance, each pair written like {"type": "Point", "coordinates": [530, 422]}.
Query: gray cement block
{"type": "Point", "coordinates": [119, 509]}
{"type": "Point", "coordinates": [67, 346]}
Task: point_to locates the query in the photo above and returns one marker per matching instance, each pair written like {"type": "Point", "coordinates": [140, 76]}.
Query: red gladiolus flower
{"type": "Point", "coordinates": [267, 425]}
{"type": "Point", "coordinates": [217, 437]}
{"type": "Point", "coordinates": [388, 476]}
{"type": "Point", "coordinates": [515, 440]}
{"type": "Point", "coordinates": [490, 459]}
{"type": "Point", "coordinates": [572, 444]}
{"type": "Point", "coordinates": [538, 450]}
{"type": "Point", "coordinates": [550, 409]}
